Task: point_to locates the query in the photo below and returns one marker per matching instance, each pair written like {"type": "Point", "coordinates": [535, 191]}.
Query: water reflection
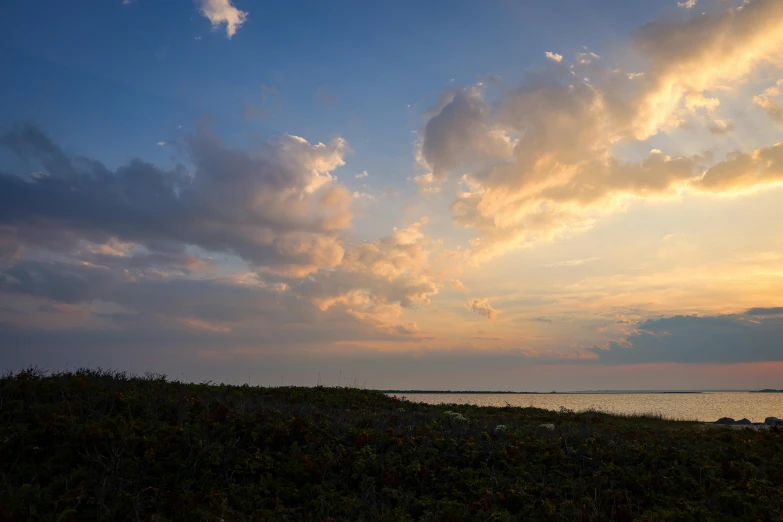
{"type": "Point", "coordinates": [684, 406]}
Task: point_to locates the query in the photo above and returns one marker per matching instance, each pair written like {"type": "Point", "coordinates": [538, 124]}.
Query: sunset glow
{"type": "Point", "coordinates": [479, 195]}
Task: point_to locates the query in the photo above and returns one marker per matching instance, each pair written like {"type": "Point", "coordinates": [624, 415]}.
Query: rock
{"type": "Point", "coordinates": [773, 421]}
{"type": "Point", "coordinates": [725, 420]}
{"type": "Point", "coordinates": [743, 422]}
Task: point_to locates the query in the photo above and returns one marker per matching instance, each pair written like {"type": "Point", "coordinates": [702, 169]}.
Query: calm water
{"type": "Point", "coordinates": [690, 406]}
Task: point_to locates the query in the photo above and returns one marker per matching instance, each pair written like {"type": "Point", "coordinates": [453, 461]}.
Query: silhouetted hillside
{"type": "Point", "coordinates": [106, 446]}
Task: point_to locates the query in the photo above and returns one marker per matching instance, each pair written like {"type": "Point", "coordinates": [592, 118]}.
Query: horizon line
{"type": "Point", "coordinates": [505, 392]}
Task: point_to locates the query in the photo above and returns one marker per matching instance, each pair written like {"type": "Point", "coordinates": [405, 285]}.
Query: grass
{"type": "Point", "coordinates": [651, 419]}
{"type": "Point", "coordinates": [97, 445]}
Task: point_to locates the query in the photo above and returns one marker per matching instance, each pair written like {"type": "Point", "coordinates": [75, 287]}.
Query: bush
{"type": "Point", "coordinates": [109, 446]}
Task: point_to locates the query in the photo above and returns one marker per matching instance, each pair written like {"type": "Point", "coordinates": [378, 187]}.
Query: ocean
{"type": "Point", "coordinates": [703, 406]}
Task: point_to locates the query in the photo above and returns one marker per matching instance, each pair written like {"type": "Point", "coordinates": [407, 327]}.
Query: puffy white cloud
{"type": "Point", "coordinates": [687, 4]}
{"type": "Point", "coordinates": [743, 172]}
{"type": "Point", "coordinates": [721, 127]}
{"type": "Point", "coordinates": [770, 106]}
{"type": "Point", "coordinates": [363, 196]}
{"type": "Point", "coordinates": [377, 280]}
{"type": "Point", "coordinates": [456, 284]}
{"type": "Point", "coordinates": [558, 173]}
{"type": "Point", "coordinates": [702, 53]}
{"type": "Point", "coordinates": [482, 307]}
{"type": "Point", "coordinates": [220, 12]}
{"type": "Point", "coordinates": [696, 101]}
{"type": "Point", "coordinates": [586, 58]}
{"type": "Point", "coordinates": [362, 174]}
{"type": "Point", "coordinates": [539, 162]}
{"type": "Point", "coordinates": [462, 134]}
{"type": "Point", "coordinates": [557, 58]}
{"type": "Point", "coordinates": [426, 183]}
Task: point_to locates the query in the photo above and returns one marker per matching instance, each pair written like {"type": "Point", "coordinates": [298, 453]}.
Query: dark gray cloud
{"type": "Point", "coordinates": [61, 282]}
{"type": "Point", "coordinates": [777, 310]}
{"type": "Point", "coordinates": [275, 209]}
{"type": "Point", "coordinates": [699, 339]}
{"type": "Point", "coordinates": [227, 312]}
{"type": "Point", "coordinates": [132, 250]}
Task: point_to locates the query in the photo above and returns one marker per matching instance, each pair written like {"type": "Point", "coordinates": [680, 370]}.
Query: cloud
{"type": "Point", "coordinates": [778, 310]}
{"type": "Point", "coordinates": [278, 209]}
{"type": "Point", "coordinates": [483, 338]}
{"type": "Point", "coordinates": [701, 53]}
{"type": "Point", "coordinates": [220, 12]}
{"type": "Point", "coordinates": [378, 278]}
{"type": "Point", "coordinates": [764, 100]}
{"type": "Point", "coordinates": [571, 262]}
{"type": "Point", "coordinates": [426, 184]}
{"type": "Point", "coordinates": [462, 133]}
{"type": "Point", "coordinates": [586, 58]}
{"type": "Point", "coordinates": [698, 339]}
{"type": "Point", "coordinates": [362, 174]}
{"type": "Point", "coordinates": [541, 319]}
{"type": "Point", "coordinates": [720, 127]}
{"type": "Point", "coordinates": [772, 108]}
{"type": "Point", "coordinates": [456, 284]}
{"type": "Point", "coordinates": [556, 178]}
{"type": "Point", "coordinates": [169, 312]}
{"type": "Point", "coordinates": [557, 58]}
{"type": "Point", "coordinates": [118, 293]}
{"type": "Point", "coordinates": [200, 324]}
{"type": "Point", "coordinates": [161, 143]}
{"type": "Point", "coordinates": [482, 307]}
{"type": "Point", "coordinates": [688, 4]}
{"type": "Point", "coordinates": [745, 171]}
{"type": "Point", "coordinates": [130, 253]}
{"type": "Point", "coordinates": [539, 163]}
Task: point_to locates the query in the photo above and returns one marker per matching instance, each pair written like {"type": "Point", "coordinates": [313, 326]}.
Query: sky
{"type": "Point", "coordinates": [455, 195]}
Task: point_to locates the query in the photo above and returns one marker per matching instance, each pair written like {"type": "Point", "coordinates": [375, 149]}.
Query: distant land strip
{"type": "Point", "coordinates": [466, 392]}
{"type": "Point", "coordinates": [488, 392]}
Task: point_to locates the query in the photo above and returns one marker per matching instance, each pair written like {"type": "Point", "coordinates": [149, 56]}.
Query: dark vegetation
{"type": "Point", "coordinates": [95, 445]}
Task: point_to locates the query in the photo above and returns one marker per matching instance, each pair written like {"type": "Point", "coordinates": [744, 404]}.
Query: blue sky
{"type": "Point", "coordinates": [543, 183]}
{"type": "Point", "coordinates": [131, 73]}
{"type": "Point", "coordinates": [138, 73]}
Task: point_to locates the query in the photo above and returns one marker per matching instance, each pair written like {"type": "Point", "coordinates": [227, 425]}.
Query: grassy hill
{"type": "Point", "coordinates": [94, 445]}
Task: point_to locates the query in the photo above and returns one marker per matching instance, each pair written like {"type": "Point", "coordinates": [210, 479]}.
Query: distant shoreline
{"type": "Point", "coordinates": [440, 392]}
{"type": "Point", "coordinates": [586, 392]}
